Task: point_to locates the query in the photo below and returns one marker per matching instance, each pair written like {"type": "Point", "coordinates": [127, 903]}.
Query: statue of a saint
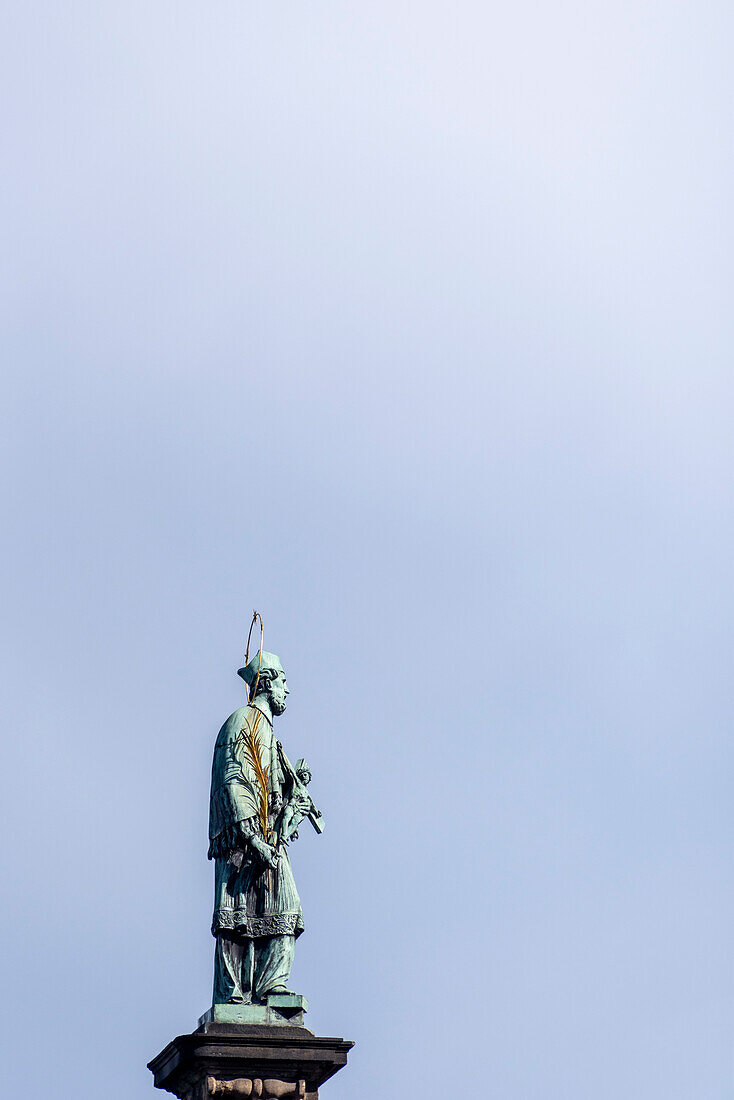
{"type": "Point", "coordinates": [257, 802]}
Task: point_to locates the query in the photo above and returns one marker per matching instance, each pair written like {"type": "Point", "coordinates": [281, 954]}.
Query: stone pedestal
{"type": "Point", "coordinates": [228, 1059]}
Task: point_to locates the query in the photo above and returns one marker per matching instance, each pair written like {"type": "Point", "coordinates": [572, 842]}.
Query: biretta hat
{"type": "Point", "coordinates": [269, 663]}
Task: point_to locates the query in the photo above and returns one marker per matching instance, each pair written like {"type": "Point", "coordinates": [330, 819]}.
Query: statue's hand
{"type": "Point", "coordinates": [266, 851]}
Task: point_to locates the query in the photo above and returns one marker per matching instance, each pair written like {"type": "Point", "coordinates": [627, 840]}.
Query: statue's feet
{"type": "Point", "coordinates": [239, 999]}
{"type": "Point", "coordinates": [280, 989]}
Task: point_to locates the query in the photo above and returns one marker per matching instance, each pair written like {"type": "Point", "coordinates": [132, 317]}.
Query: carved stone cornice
{"type": "Point", "coordinates": [239, 1060]}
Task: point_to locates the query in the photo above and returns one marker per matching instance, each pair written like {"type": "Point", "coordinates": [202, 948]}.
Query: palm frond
{"type": "Point", "coordinates": [252, 746]}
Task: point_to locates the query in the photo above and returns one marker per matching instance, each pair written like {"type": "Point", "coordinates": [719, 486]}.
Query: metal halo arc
{"type": "Point", "coordinates": [255, 616]}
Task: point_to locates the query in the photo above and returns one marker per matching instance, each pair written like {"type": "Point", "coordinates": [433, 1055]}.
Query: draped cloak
{"type": "Point", "coordinates": [249, 898]}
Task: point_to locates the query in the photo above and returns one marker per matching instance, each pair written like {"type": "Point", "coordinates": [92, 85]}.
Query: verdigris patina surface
{"type": "Point", "coordinates": [258, 800]}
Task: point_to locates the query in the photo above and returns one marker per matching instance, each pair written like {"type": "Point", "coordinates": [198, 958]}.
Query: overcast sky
{"type": "Point", "coordinates": [409, 325]}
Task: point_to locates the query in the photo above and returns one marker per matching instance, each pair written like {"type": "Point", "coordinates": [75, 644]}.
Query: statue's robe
{"type": "Point", "coordinates": [257, 911]}
{"type": "Point", "coordinates": [251, 899]}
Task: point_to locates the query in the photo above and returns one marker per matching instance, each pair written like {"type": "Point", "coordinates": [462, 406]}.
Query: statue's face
{"type": "Point", "coordinates": [278, 690]}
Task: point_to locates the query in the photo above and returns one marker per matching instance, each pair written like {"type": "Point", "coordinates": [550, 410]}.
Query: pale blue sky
{"type": "Point", "coordinates": [409, 325]}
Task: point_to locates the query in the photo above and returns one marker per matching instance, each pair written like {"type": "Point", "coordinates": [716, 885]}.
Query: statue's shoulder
{"type": "Point", "coordinates": [233, 725]}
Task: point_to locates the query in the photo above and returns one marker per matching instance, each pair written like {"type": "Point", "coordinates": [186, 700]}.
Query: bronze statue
{"type": "Point", "coordinates": [257, 802]}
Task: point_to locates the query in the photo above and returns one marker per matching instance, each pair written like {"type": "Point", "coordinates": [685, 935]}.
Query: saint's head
{"type": "Point", "coordinates": [265, 676]}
